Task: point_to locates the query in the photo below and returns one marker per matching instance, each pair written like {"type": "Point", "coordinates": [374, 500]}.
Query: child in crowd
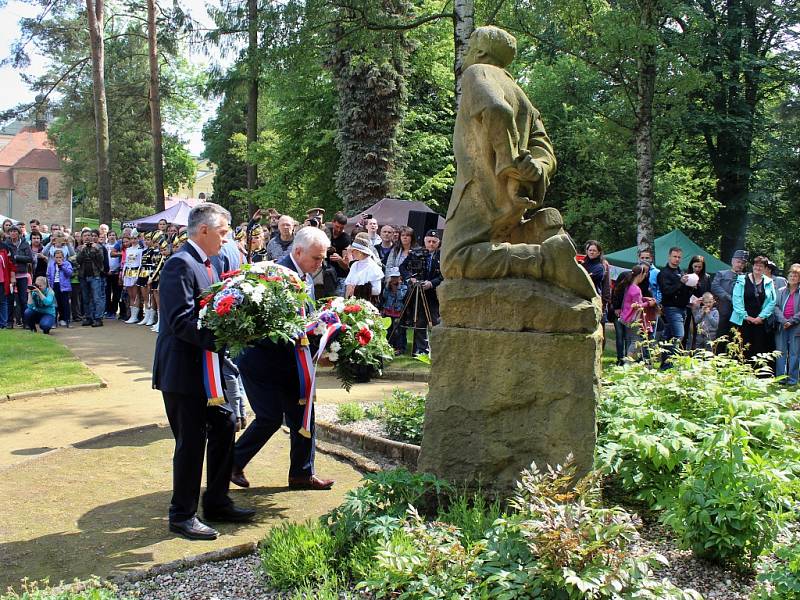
{"type": "Point", "coordinates": [59, 273]}
{"type": "Point", "coordinates": [393, 299]}
{"type": "Point", "coordinates": [707, 318]}
{"type": "Point", "coordinates": [366, 276]}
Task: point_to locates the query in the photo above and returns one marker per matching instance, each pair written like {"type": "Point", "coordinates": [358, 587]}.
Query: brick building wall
{"type": "Point", "coordinates": [25, 197]}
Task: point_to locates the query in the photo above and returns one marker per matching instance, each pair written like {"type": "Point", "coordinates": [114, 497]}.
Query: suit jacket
{"type": "Point", "coordinates": [722, 287]}
{"type": "Point", "coordinates": [177, 365]}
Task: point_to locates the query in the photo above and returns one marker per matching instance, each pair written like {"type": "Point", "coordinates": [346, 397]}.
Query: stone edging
{"type": "Point", "coordinates": [407, 454]}
{"type": "Point", "coordinates": [420, 376]}
{"type": "Point", "coordinates": [185, 563]}
{"type": "Point", "coordinates": [56, 390]}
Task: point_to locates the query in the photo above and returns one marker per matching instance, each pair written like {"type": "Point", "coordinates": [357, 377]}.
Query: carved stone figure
{"type": "Point", "coordinates": [505, 161]}
{"type": "Point", "coordinates": [515, 361]}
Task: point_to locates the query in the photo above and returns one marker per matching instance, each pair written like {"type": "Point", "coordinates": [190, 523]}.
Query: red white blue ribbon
{"type": "Point", "coordinates": [306, 367]}
{"type": "Point", "coordinates": [212, 379]}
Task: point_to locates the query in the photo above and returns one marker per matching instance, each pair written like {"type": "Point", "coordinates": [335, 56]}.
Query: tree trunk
{"type": "Point", "coordinates": [155, 107]}
{"type": "Point", "coordinates": [463, 26]}
{"type": "Point", "coordinates": [252, 96]}
{"type": "Point", "coordinates": [643, 134]}
{"type": "Point", "coordinates": [94, 10]}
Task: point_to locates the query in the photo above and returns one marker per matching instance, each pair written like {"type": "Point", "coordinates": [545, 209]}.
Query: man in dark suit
{"type": "Point", "coordinates": [179, 373]}
{"type": "Point", "coordinates": [426, 281]}
{"type": "Point", "coordinates": [269, 373]}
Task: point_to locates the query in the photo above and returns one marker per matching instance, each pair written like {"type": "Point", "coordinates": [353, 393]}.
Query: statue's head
{"type": "Point", "coordinates": [490, 45]}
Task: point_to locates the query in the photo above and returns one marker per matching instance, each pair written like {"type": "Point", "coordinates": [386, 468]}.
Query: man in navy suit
{"type": "Point", "coordinates": [269, 372]}
{"type": "Point", "coordinates": [178, 373]}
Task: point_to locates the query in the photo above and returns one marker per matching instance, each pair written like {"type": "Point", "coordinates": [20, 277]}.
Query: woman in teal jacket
{"type": "Point", "coordinates": [753, 301]}
{"type": "Point", "coordinates": [41, 309]}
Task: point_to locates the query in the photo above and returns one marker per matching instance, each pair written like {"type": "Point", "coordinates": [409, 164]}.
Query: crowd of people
{"type": "Point", "coordinates": [691, 309]}
{"type": "Point", "coordinates": [53, 277]}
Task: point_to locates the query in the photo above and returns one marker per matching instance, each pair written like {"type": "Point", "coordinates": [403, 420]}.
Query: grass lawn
{"type": "Point", "coordinates": [34, 361]}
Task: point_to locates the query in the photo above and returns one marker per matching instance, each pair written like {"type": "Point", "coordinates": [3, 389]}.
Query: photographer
{"type": "Point", "coordinates": [41, 306]}
{"type": "Point", "coordinates": [339, 242]}
{"type": "Point", "coordinates": [91, 273]}
{"type": "Point", "coordinates": [422, 269]}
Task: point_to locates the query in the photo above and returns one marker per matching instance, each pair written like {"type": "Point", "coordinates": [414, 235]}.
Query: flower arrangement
{"type": "Point", "coordinates": [361, 346]}
{"type": "Point", "coordinates": [262, 300]}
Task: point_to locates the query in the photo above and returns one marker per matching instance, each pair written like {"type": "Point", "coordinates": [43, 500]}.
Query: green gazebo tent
{"type": "Point", "coordinates": [629, 257]}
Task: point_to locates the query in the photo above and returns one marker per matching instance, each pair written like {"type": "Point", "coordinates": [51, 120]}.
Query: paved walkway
{"type": "Point", "coordinates": [99, 507]}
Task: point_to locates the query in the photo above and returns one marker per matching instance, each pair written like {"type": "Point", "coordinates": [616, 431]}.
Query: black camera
{"type": "Point", "coordinates": [417, 260]}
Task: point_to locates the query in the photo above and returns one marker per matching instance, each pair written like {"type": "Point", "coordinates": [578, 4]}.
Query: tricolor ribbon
{"type": "Point", "coordinates": [212, 378]}
{"type": "Point", "coordinates": [306, 367]}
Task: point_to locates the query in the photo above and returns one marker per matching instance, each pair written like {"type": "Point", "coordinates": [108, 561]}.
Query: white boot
{"type": "Point", "coordinates": [151, 320]}
{"type": "Point", "coordinates": [134, 315]}
{"type": "Point", "coordinates": [158, 322]}
{"type": "Point", "coordinates": [145, 316]}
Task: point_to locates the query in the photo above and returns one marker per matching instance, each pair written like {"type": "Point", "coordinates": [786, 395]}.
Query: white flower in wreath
{"type": "Point", "coordinates": [335, 347]}
{"type": "Point", "coordinates": [247, 288]}
{"type": "Point", "coordinates": [369, 322]}
{"type": "Point", "coordinates": [338, 303]}
{"type": "Point", "coordinates": [258, 295]}
{"type": "Point", "coordinates": [332, 356]}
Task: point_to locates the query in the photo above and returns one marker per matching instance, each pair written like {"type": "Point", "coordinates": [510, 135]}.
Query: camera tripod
{"type": "Point", "coordinates": [415, 294]}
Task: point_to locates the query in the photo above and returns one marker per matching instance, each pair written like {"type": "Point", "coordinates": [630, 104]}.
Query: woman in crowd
{"type": "Point", "coordinates": [634, 305]}
{"type": "Point", "coordinates": [39, 257]}
{"type": "Point", "coordinates": [113, 284]}
{"type": "Point", "coordinates": [697, 267]}
{"type": "Point", "coordinates": [172, 231]}
{"type": "Point", "coordinates": [41, 309]}
{"type": "Point", "coordinates": [130, 274]}
{"type": "Point", "coordinates": [163, 254]}
{"type": "Point", "coordinates": [150, 258]}
{"type": "Point", "coordinates": [600, 273]}
{"type": "Point", "coordinates": [787, 335]}
{"type": "Point", "coordinates": [58, 241]}
{"type": "Point", "coordinates": [59, 273]}
{"type": "Point", "coordinates": [614, 311]}
{"type": "Point", "coordinates": [401, 250]}
{"type": "Point", "coordinates": [753, 302]}
{"type": "Point", "coordinates": [162, 226]}
{"type": "Point", "coordinates": [7, 278]}
{"type": "Point", "coordinates": [365, 275]}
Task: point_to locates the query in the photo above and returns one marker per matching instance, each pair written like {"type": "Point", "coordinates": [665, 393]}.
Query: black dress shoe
{"type": "Point", "coordinates": [194, 529]}
{"type": "Point", "coordinates": [98, 323]}
{"type": "Point", "coordinates": [86, 322]}
{"type": "Point", "coordinates": [238, 478]}
{"type": "Point", "coordinates": [229, 514]}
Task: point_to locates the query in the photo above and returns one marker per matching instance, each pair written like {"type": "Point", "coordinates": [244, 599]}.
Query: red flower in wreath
{"type": "Point", "coordinates": [224, 306]}
{"type": "Point", "coordinates": [364, 336]}
{"type": "Point", "coordinates": [206, 300]}
{"type": "Point", "coordinates": [227, 274]}
{"type": "Point", "coordinates": [352, 308]}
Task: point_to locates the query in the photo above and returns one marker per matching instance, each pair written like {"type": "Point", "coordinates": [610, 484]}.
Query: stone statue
{"type": "Point", "coordinates": [505, 161]}
{"type": "Point", "coordinates": [515, 362]}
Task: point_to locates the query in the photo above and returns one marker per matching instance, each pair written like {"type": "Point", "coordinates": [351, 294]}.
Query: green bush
{"type": "Point", "coordinates": [651, 423]}
{"type": "Point", "coordinates": [296, 555]}
{"type": "Point", "coordinates": [729, 506]}
{"type": "Point", "coordinates": [350, 412]}
{"type": "Point", "coordinates": [93, 590]}
{"type": "Point", "coordinates": [780, 578]}
{"type": "Point", "coordinates": [403, 416]}
{"type": "Point", "coordinates": [472, 514]}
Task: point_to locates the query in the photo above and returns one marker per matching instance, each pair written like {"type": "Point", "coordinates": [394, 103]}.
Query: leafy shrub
{"type": "Point", "coordinates": [560, 543]}
{"type": "Point", "coordinates": [350, 412]}
{"type": "Point", "coordinates": [93, 590]}
{"type": "Point", "coordinates": [780, 578]}
{"type": "Point", "coordinates": [472, 514]}
{"type": "Point", "coordinates": [403, 415]}
{"type": "Point", "coordinates": [294, 555]}
{"type": "Point", "coordinates": [652, 424]}
{"type": "Point", "coordinates": [729, 507]}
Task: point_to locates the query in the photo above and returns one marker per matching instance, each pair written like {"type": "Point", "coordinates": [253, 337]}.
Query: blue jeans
{"type": "Point", "coordinates": [788, 362]}
{"type": "Point", "coordinates": [33, 318]}
{"type": "Point", "coordinates": [674, 319]}
{"type": "Point", "coordinates": [94, 298]}
{"type": "Point", "coordinates": [4, 302]}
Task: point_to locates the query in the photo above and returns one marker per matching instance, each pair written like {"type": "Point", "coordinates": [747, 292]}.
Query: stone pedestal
{"type": "Point", "coordinates": [523, 390]}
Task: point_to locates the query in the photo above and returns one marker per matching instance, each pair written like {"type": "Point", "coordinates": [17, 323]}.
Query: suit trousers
{"type": "Point", "coordinates": [273, 394]}
{"type": "Point", "coordinates": [199, 429]}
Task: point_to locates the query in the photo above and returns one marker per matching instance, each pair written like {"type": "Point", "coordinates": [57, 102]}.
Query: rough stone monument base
{"type": "Point", "coordinates": [499, 400]}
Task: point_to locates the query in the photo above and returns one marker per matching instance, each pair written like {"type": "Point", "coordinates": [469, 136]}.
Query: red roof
{"type": "Point", "coordinates": [29, 150]}
{"type": "Point", "coordinates": [39, 159]}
